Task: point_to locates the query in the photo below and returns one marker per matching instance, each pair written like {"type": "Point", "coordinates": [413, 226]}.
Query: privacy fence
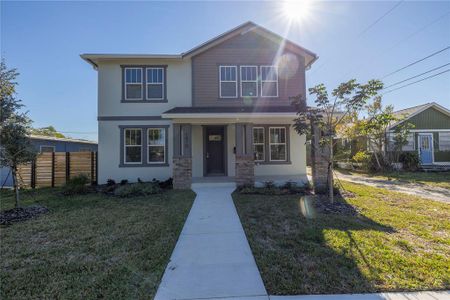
{"type": "Point", "coordinates": [51, 169]}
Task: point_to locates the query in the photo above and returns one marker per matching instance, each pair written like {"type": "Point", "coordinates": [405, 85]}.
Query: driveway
{"type": "Point", "coordinates": [430, 192]}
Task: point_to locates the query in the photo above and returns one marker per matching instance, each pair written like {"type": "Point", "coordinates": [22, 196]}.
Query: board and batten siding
{"type": "Point", "coordinates": [430, 118]}
{"type": "Point", "coordinates": [246, 49]}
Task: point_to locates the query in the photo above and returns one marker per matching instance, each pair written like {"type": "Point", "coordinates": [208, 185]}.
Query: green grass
{"type": "Point", "coordinates": [397, 243]}
{"type": "Point", "coordinates": [90, 246]}
{"type": "Point", "coordinates": [432, 179]}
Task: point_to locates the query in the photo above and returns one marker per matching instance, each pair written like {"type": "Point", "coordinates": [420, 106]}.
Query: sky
{"type": "Point", "coordinates": [358, 39]}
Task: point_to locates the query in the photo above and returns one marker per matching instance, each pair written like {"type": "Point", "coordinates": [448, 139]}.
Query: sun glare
{"type": "Point", "coordinates": [297, 10]}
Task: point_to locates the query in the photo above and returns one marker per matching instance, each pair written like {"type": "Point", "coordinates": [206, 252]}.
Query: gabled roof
{"type": "Point", "coordinates": [310, 57]}
{"type": "Point", "coordinates": [58, 139]}
{"type": "Point", "coordinates": [408, 113]}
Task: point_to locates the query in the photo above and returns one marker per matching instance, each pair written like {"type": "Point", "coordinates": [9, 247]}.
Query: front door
{"type": "Point", "coordinates": [214, 150]}
{"type": "Point", "coordinates": [426, 148]}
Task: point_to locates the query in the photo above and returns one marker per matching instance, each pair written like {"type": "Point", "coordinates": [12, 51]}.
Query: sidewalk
{"type": "Point", "coordinates": [443, 295]}
{"type": "Point", "coordinates": [212, 258]}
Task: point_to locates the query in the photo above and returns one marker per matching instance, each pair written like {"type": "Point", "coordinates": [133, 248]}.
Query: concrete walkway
{"type": "Point", "coordinates": [212, 258]}
{"type": "Point", "coordinates": [433, 193]}
{"type": "Point", "coordinates": [443, 295]}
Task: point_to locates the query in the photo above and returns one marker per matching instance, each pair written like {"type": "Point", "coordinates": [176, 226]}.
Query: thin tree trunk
{"type": "Point", "coordinates": [16, 186]}
{"type": "Point", "coordinates": [330, 172]}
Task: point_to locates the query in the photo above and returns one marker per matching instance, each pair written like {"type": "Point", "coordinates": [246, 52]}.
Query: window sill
{"type": "Point", "coordinates": [143, 165]}
{"type": "Point", "coordinates": [273, 163]}
{"type": "Point", "coordinates": [144, 101]}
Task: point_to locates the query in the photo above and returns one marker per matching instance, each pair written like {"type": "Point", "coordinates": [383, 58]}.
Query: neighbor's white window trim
{"type": "Point", "coordinates": [125, 82]}
{"type": "Point", "coordinates": [160, 83]}
{"type": "Point", "coordinates": [263, 142]}
{"type": "Point", "coordinates": [447, 133]}
{"type": "Point", "coordinates": [255, 80]}
{"type": "Point", "coordinates": [263, 81]}
{"type": "Point", "coordinates": [49, 146]}
{"type": "Point", "coordinates": [125, 146]}
{"type": "Point", "coordinates": [235, 81]}
{"type": "Point", "coordinates": [285, 143]}
{"type": "Point", "coordinates": [163, 145]}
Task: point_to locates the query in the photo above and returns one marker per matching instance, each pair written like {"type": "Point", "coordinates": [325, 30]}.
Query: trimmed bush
{"type": "Point", "coordinates": [76, 185]}
{"type": "Point", "coordinates": [410, 161]}
{"type": "Point", "coordinates": [137, 189]}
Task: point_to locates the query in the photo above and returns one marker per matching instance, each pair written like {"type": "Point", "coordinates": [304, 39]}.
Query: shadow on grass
{"type": "Point", "coordinates": [307, 246]}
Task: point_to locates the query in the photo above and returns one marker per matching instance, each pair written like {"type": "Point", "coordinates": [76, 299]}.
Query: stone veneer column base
{"type": "Point", "coordinates": [245, 170]}
{"type": "Point", "coordinates": [182, 173]}
{"type": "Point", "coordinates": [320, 155]}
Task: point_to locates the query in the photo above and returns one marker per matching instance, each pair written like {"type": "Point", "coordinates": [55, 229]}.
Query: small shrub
{"type": "Point", "coordinates": [124, 181]}
{"type": "Point", "coordinates": [363, 158]}
{"type": "Point", "coordinates": [76, 185]}
{"type": "Point", "coordinates": [110, 182]}
{"type": "Point", "coordinates": [165, 185]}
{"type": "Point", "coordinates": [269, 185]}
{"type": "Point", "coordinates": [137, 189]}
{"type": "Point", "coordinates": [410, 161]}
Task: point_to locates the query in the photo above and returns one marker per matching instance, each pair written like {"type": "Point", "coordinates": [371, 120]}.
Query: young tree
{"type": "Point", "coordinates": [348, 98]}
{"type": "Point", "coordinates": [16, 148]}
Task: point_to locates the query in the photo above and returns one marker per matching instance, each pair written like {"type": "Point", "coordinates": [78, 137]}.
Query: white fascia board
{"type": "Point", "coordinates": [229, 115]}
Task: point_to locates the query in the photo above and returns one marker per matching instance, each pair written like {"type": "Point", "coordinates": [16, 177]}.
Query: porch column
{"type": "Point", "coordinates": [182, 156]}
{"type": "Point", "coordinates": [245, 165]}
{"type": "Point", "coordinates": [320, 155]}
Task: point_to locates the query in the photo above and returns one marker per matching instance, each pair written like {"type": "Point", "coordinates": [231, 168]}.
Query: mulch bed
{"type": "Point", "coordinates": [339, 206]}
{"type": "Point", "coordinates": [21, 214]}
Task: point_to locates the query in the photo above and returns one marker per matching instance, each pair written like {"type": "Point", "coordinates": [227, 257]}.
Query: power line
{"type": "Point", "coordinates": [380, 18]}
{"type": "Point", "coordinates": [429, 77]}
{"type": "Point", "coordinates": [397, 83]}
{"type": "Point", "coordinates": [416, 62]}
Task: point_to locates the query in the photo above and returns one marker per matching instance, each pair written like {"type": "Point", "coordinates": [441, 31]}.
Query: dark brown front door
{"type": "Point", "coordinates": [214, 150]}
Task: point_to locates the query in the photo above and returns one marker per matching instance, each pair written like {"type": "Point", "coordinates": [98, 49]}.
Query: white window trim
{"type": "Point", "coordinates": [163, 145]}
{"type": "Point", "coordinates": [49, 146]}
{"type": "Point", "coordinates": [285, 143]}
{"type": "Point", "coordinates": [220, 81]}
{"type": "Point", "coordinates": [263, 142]}
{"type": "Point", "coordinates": [134, 83]}
{"type": "Point", "coordinates": [148, 83]}
{"type": "Point", "coordinates": [263, 81]}
{"type": "Point", "coordinates": [254, 81]}
{"type": "Point", "coordinates": [440, 133]}
{"type": "Point", "coordinates": [125, 146]}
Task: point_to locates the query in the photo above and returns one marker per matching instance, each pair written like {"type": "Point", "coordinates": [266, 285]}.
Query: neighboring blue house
{"type": "Point", "coordinates": [50, 144]}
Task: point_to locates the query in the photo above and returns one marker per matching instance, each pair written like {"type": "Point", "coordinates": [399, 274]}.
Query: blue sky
{"type": "Point", "coordinates": [44, 39]}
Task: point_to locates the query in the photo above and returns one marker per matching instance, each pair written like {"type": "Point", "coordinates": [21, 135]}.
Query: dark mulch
{"type": "Point", "coordinates": [339, 206]}
{"type": "Point", "coordinates": [21, 214]}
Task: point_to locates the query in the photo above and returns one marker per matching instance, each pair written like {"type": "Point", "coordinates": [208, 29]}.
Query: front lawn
{"type": "Point", "coordinates": [397, 242]}
{"type": "Point", "coordinates": [90, 246]}
{"type": "Point", "coordinates": [432, 179]}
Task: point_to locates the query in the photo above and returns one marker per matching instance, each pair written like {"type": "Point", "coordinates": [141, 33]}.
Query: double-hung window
{"type": "Point", "coordinates": [133, 146]}
{"type": "Point", "coordinates": [133, 84]}
{"type": "Point", "coordinates": [277, 144]}
{"type": "Point", "coordinates": [269, 81]}
{"type": "Point", "coordinates": [155, 83]}
{"type": "Point", "coordinates": [228, 81]}
{"type": "Point", "coordinates": [444, 141]}
{"type": "Point", "coordinates": [259, 143]}
{"type": "Point", "coordinates": [249, 81]}
{"type": "Point", "coordinates": [156, 139]}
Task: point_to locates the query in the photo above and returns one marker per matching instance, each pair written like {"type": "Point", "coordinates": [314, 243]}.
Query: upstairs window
{"type": "Point", "coordinates": [133, 146]}
{"type": "Point", "coordinates": [249, 81]}
{"type": "Point", "coordinates": [277, 144]}
{"type": "Point", "coordinates": [156, 145]}
{"type": "Point", "coordinates": [228, 81]}
{"type": "Point", "coordinates": [133, 84]}
{"type": "Point", "coordinates": [269, 81]}
{"type": "Point", "coordinates": [258, 143]}
{"type": "Point", "coordinates": [155, 83]}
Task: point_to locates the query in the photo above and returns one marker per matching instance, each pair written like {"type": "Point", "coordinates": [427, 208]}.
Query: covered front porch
{"type": "Point", "coordinates": [220, 148]}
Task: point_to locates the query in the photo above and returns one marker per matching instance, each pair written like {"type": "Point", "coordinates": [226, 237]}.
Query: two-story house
{"type": "Point", "coordinates": [220, 109]}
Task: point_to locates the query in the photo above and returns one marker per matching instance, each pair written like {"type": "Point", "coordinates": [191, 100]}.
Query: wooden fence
{"type": "Point", "coordinates": [52, 169]}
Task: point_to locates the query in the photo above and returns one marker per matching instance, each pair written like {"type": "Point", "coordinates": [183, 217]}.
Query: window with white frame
{"type": "Point", "coordinates": [444, 141]}
{"type": "Point", "coordinates": [409, 146]}
{"type": "Point", "coordinates": [269, 81]}
{"type": "Point", "coordinates": [277, 144]}
{"type": "Point", "coordinates": [133, 83]}
{"type": "Point", "coordinates": [228, 81]}
{"type": "Point", "coordinates": [249, 81]}
{"type": "Point", "coordinates": [47, 149]}
{"type": "Point", "coordinates": [259, 143]}
{"type": "Point", "coordinates": [133, 146]}
{"type": "Point", "coordinates": [156, 139]}
{"type": "Point", "coordinates": [155, 83]}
